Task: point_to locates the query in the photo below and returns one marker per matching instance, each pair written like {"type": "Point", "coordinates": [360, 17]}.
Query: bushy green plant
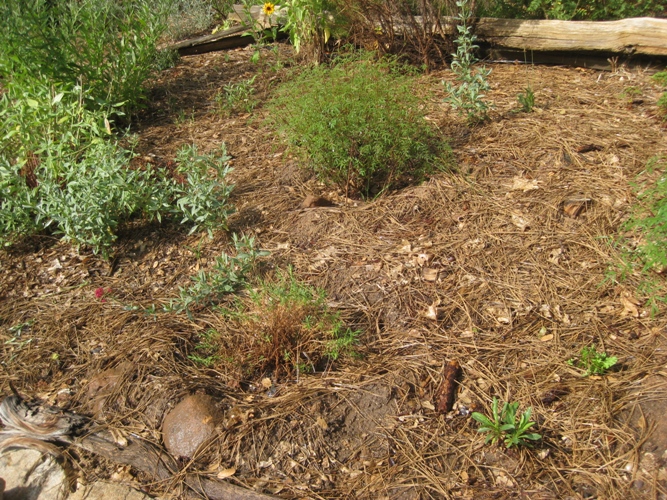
{"type": "Point", "coordinates": [227, 276]}
{"type": "Point", "coordinates": [309, 23]}
{"type": "Point", "coordinates": [59, 170]}
{"type": "Point", "coordinates": [594, 362]}
{"type": "Point", "coordinates": [236, 97]}
{"type": "Point", "coordinates": [202, 193]}
{"type": "Point", "coordinates": [107, 46]}
{"type": "Point", "coordinates": [468, 96]}
{"type": "Point", "coordinates": [503, 425]}
{"type": "Point", "coordinates": [357, 123]}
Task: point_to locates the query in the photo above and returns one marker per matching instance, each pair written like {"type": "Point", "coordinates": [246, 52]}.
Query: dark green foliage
{"type": "Point", "coordinates": [107, 46]}
{"type": "Point", "coordinates": [571, 9]}
{"type": "Point", "coordinates": [357, 123]}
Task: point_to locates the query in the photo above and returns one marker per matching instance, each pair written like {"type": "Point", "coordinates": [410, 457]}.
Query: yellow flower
{"type": "Point", "coordinates": [268, 9]}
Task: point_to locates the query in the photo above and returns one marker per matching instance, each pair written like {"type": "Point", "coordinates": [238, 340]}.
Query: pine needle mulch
{"type": "Point", "coordinates": [501, 264]}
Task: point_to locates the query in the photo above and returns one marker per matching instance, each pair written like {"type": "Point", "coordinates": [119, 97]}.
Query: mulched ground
{"type": "Point", "coordinates": [499, 265]}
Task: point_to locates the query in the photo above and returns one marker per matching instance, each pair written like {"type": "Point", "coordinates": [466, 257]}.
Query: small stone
{"type": "Point", "coordinates": [189, 424]}
{"type": "Point", "coordinates": [30, 474]}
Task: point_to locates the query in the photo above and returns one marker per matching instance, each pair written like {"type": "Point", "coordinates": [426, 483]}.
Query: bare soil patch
{"type": "Point", "coordinates": [499, 265]}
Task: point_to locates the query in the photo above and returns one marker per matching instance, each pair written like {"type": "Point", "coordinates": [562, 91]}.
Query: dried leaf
{"type": "Point", "coordinates": [430, 274]}
{"type": "Point", "coordinates": [521, 184]}
{"type": "Point", "coordinates": [547, 338]}
{"type": "Point", "coordinates": [225, 473]}
{"type": "Point", "coordinates": [521, 222]}
{"type": "Point", "coordinates": [428, 405]}
{"type": "Point", "coordinates": [321, 423]}
{"type": "Point", "coordinates": [574, 206]}
{"type": "Point", "coordinates": [432, 311]}
{"type": "Point", "coordinates": [630, 305]}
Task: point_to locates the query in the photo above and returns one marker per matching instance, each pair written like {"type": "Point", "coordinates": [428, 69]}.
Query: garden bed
{"type": "Point", "coordinates": [501, 265]}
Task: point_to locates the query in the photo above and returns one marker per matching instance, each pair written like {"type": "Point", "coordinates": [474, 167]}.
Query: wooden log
{"type": "Point", "coordinates": [642, 35]}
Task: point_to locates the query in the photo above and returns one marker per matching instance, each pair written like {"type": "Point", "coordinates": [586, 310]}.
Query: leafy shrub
{"type": "Point", "coordinates": [107, 46]}
{"type": "Point", "coordinates": [467, 97]}
{"type": "Point", "coordinates": [63, 172]}
{"type": "Point", "coordinates": [60, 169]}
{"type": "Point", "coordinates": [200, 198]}
{"type": "Point", "coordinates": [357, 123]}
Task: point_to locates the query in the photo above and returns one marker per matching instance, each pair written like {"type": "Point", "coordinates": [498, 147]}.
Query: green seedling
{"type": "Point", "coordinates": [527, 100]}
{"type": "Point", "coordinates": [594, 362]}
{"type": "Point", "coordinates": [503, 425]}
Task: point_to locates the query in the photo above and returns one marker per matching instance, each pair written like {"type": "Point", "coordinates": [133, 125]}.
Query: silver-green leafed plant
{"type": "Point", "coordinates": [468, 96]}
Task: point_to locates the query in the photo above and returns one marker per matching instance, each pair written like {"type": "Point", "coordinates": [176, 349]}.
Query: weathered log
{"type": "Point", "coordinates": [642, 35]}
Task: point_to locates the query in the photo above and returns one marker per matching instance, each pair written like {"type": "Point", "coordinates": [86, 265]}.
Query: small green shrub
{"type": "Point", "coordinates": [237, 97]}
{"type": "Point", "coordinates": [357, 123]}
{"type": "Point", "coordinates": [468, 96]}
{"type": "Point", "coordinates": [594, 362]}
{"type": "Point", "coordinates": [647, 251]}
{"type": "Point", "coordinates": [505, 427]}
{"type": "Point", "coordinates": [201, 193]}
{"type": "Point", "coordinates": [227, 276]}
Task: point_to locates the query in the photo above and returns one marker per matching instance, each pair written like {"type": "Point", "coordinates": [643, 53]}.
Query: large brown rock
{"type": "Point", "coordinates": [189, 424]}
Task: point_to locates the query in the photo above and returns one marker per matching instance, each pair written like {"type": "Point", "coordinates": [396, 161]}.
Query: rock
{"type": "Point", "coordinates": [189, 424]}
{"type": "Point", "coordinates": [30, 474]}
{"type": "Point", "coordinates": [102, 490]}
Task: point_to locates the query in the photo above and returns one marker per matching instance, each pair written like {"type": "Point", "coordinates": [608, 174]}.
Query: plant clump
{"type": "Point", "coordinates": [283, 329]}
{"type": "Point", "coordinates": [358, 124]}
{"type": "Point", "coordinates": [502, 426]}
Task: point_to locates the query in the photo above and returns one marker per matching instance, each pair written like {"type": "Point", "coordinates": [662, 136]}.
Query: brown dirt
{"type": "Point", "coordinates": [499, 265]}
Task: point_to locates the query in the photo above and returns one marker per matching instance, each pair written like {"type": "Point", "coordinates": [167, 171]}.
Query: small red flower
{"type": "Point", "coordinates": [99, 293]}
